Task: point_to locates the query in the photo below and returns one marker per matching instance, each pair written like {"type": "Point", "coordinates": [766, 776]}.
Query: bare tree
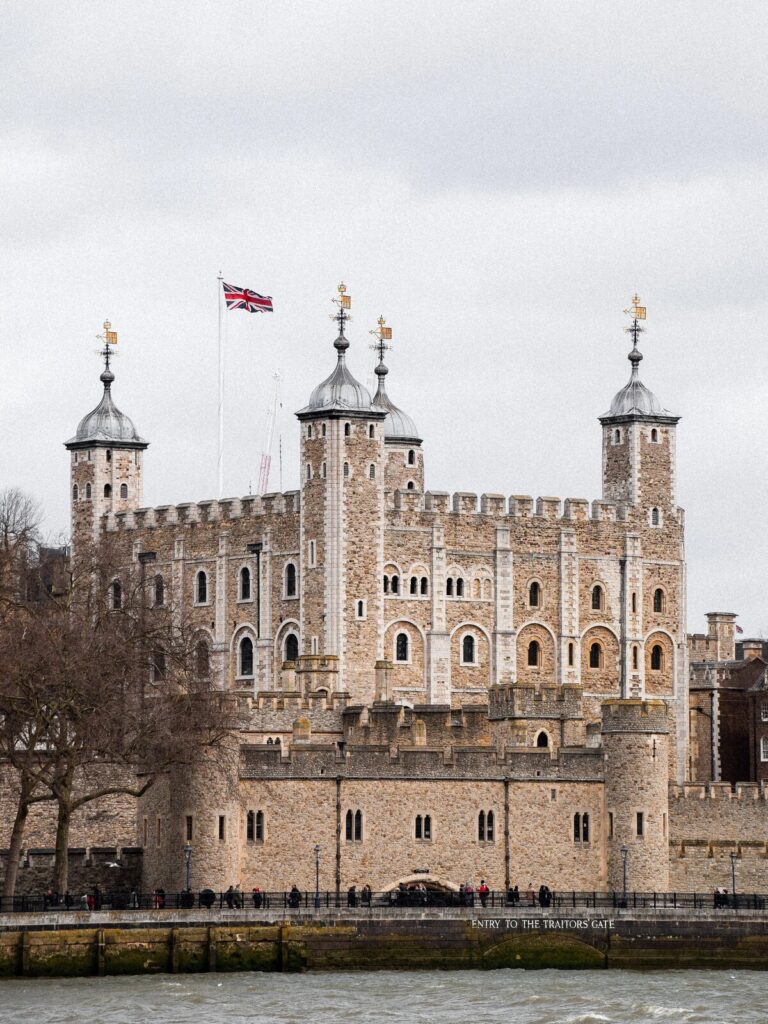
{"type": "Point", "coordinates": [99, 695]}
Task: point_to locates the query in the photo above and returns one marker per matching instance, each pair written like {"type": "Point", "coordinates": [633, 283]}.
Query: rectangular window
{"type": "Point", "coordinates": [764, 748]}
{"type": "Point", "coordinates": [312, 557]}
{"type": "Point", "coordinates": [249, 821]}
{"type": "Point", "coordinates": [222, 833]}
{"type": "Point", "coordinates": [189, 828]}
{"type": "Point", "coordinates": [610, 824]}
{"type": "Point", "coordinates": [640, 824]}
{"type": "Point", "coordinates": [314, 645]}
{"type": "Point", "coordinates": [764, 712]}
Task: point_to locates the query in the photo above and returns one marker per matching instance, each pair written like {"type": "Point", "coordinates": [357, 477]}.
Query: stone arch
{"type": "Point", "coordinates": [605, 677]}
{"type": "Point", "coordinates": [286, 626]}
{"type": "Point", "coordinates": [545, 670]}
{"type": "Point", "coordinates": [410, 674]}
{"type": "Point", "coordinates": [479, 672]}
{"type": "Point", "coordinates": [431, 881]}
{"type": "Point", "coordinates": [662, 680]}
{"type": "Point", "coordinates": [392, 569]}
{"type": "Point", "coordinates": [242, 629]}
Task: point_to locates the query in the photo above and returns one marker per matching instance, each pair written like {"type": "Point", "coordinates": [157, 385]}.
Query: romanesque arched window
{"type": "Point", "coordinates": [449, 586]}
{"type": "Point", "coordinates": [74, 493]}
{"type": "Point", "coordinates": [372, 472]}
{"type": "Point", "coordinates": [201, 588]}
{"type": "Point", "coordinates": [597, 598]}
{"type": "Point", "coordinates": [386, 584]}
{"type": "Point", "coordinates": [658, 600]}
{"type": "Point", "coordinates": [595, 655]}
{"type": "Point", "coordinates": [395, 584]}
{"type": "Point", "coordinates": [401, 647]}
{"type": "Point", "coordinates": [346, 471]}
{"type": "Point", "coordinates": [654, 435]}
{"type": "Point", "coordinates": [481, 826]}
{"type": "Point", "coordinates": [123, 491]}
{"type": "Point", "coordinates": [411, 457]}
{"type": "Point", "coordinates": [202, 660]}
{"type": "Point", "coordinates": [414, 585]}
{"type": "Point", "coordinates": [657, 658]}
{"type": "Point", "coordinates": [259, 826]}
{"type": "Point", "coordinates": [410, 486]}
{"type": "Point", "coordinates": [358, 826]}
{"type": "Point", "coordinates": [159, 591]}
{"type": "Point", "coordinates": [250, 826]}
{"type": "Point", "coordinates": [88, 492]}
{"type": "Point", "coordinates": [489, 827]}
{"type": "Point", "coordinates": [291, 647]}
{"type": "Point", "coordinates": [468, 650]}
{"type": "Point", "coordinates": [423, 826]}
{"type": "Point", "coordinates": [534, 653]}
{"type": "Point", "coordinates": [459, 587]}
{"type": "Point", "coordinates": [290, 580]}
{"type": "Point", "coordinates": [246, 656]}
{"type": "Point", "coordinates": [347, 429]}
{"type": "Point", "coordinates": [245, 583]}
{"type": "Point", "coordinates": [349, 824]}
{"type": "Point", "coordinates": [655, 517]}
{"type": "Point", "coordinates": [107, 490]}
{"type": "Point", "coordinates": [581, 828]}
{"type": "Point", "coordinates": [534, 594]}
{"type": "Point", "coordinates": [371, 432]}
{"type": "Point", "coordinates": [424, 586]}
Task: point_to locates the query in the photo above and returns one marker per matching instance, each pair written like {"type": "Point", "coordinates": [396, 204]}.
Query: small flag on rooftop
{"type": "Point", "coordinates": [245, 298]}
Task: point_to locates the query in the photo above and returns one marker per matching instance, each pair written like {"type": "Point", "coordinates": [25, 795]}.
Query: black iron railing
{"type": "Point", "coordinates": [397, 899]}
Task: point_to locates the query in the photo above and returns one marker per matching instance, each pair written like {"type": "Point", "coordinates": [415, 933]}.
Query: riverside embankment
{"type": "Point", "coordinates": [180, 941]}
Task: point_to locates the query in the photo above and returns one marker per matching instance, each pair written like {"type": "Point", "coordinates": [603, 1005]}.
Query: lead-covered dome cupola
{"type": "Point", "coordinates": [399, 428]}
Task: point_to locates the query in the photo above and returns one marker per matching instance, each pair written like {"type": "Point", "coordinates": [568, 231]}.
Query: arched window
{"type": "Point", "coordinates": [534, 594]}
{"type": "Point", "coordinates": [475, 588]}
{"type": "Point", "coordinates": [109, 456]}
{"type": "Point", "coordinates": [309, 430]}
{"type": "Point", "coordinates": [116, 594]}
{"type": "Point", "coordinates": [634, 658]}
{"type": "Point", "coordinates": [411, 457]}
{"type": "Point", "coordinates": [423, 829]}
{"type": "Point", "coordinates": [370, 430]}
{"type": "Point", "coordinates": [361, 609]}
{"type": "Point", "coordinates": [246, 656]}
{"type": "Point", "coordinates": [290, 580]}
{"type": "Point", "coordinates": [372, 472]}
{"type": "Point", "coordinates": [260, 824]}
{"type": "Point", "coordinates": [74, 493]}
{"type": "Point", "coordinates": [201, 588]}
{"type": "Point", "coordinates": [401, 647]}
{"type": "Point", "coordinates": [427, 826]}
{"type": "Point", "coordinates": [419, 827]}
{"type": "Point", "coordinates": [489, 824]}
{"type": "Point", "coordinates": [347, 430]}
{"type": "Point", "coordinates": [346, 471]}
{"type": "Point", "coordinates": [459, 587]}
{"type": "Point", "coordinates": [123, 490]}
{"type": "Point", "coordinates": [349, 824]}
{"type": "Point", "coordinates": [542, 740]}
{"type": "Point", "coordinates": [424, 586]}
{"type": "Point", "coordinates": [654, 435]}
{"type": "Point", "coordinates": [597, 597]}
{"type": "Point", "coordinates": [322, 429]}
{"type": "Point", "coordinates": [414, 585]}
{"type": "Point", "coordinates": [449, 586]}
{"type": "Point", "coordinates": [386, 584]}
{"type": "Point", "coordinates": [658, 600]}
{"type": "Point", "coordinates": [309, 472]}
{"type": "Point", "coordinates": [585, 828]}
{"type": "Point", "coordinates": [245, 584]}
{"type": "Point", "coordinates": [481, 826]}
{"type": "Point", "coordinates": [595, 655]}
{"type": "Point", "coordinates": [358, 826]}
{"type": "Point", "coordinates": [291, 647]}
{"type": "Point", "coordinates": [410, 486]}
{"type": "Point", "coordinates": [655, 517]}
{"type": "Point", "coordinates": [617, 436]}
{"type": "Point", "coordinates": [468, 650]}
{"type": "Point", "coordinates": [395, 584]}
{"type": "Point", "coordinates": [657, 658]}
{"type": "Point", "coordinates": [202, 660]}
{"type": "Point", "coordinates": [107, 490]}
{"type": "Point", "coordinates": [323, 471]}
{"type": "Point", "coordinates": [159, 591]}
{"type": "Point", "coordinates": [534, 653]}
{"type": "Point", "coordinates": [88, 492]}
{"type": "Point", "coordinates": [250, 826]}
{"type": "Point", "coordinates": [570, 655]}
{"type": "Point", "coordinates": [577, 828]}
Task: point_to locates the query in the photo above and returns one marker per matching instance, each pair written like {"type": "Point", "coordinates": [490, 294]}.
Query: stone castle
{"type": "Point", "coordinates": [433, 687]}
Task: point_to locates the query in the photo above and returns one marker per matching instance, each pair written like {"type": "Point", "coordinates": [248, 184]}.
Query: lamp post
{"type": "Point", "coordinates": [733, 876]}
{"type": "Point", "coordinates": [317, 877]}
{"type": "Point", "coordinates": [187, 859]}
{"type": "Point", "coordinates": [624, 855]}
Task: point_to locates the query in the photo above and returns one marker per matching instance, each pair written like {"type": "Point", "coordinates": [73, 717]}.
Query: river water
{"type": "Point", "coordinates": [387, 997]}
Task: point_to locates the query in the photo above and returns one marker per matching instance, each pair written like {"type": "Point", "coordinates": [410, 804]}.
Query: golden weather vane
{"type": "Point", "coordinates": [637, 312]}
{"type": "Point", "coordinates": [344, 302]}
{"type": "Point", "coordinates": [383, 335]}
{"type": "Point", "coordinates": [109, 337]}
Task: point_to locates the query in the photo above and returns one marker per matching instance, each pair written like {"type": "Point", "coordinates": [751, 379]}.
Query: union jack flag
{"type": "Point", "coordinates": [244, 298]}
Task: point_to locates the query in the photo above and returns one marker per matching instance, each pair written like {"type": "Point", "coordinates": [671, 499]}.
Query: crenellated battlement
{"type": "Point", "coordinates": [515, 701]}
{"type": "Point", "coordinates": [723, 791]}
{"type": "Point", "coordinates": [210, 511]}
{"type": "Point", "coordinates": [516, 506]}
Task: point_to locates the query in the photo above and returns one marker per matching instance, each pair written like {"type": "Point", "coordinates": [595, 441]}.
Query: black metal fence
{"type": "Point", "coordinates": [511, 901]}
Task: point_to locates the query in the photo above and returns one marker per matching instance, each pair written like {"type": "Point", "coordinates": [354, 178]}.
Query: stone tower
{"type": "Point", "coordinates": [106, 462]}
{"type": "Point", "coordinates": [639, 443]}
{"type": "Point", "coordinates": [635, 740]}
{"type": "Point", "coordinates": [342, 522]}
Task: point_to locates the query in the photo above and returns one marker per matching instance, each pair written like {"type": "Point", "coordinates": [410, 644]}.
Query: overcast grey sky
{"type": "Point", "coordinates": [497, 178]}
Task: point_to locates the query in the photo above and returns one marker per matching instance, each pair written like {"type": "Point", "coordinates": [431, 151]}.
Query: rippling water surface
{"type": "Point", "coordinates": [493, 997]}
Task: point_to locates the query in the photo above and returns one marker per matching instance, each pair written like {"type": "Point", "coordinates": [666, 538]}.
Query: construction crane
{"type": "Point", "coordinates": [269, 431]}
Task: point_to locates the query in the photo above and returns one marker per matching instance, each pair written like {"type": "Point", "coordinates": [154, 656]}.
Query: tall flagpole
{"type": "Point", "coordinates": [221, 398]}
